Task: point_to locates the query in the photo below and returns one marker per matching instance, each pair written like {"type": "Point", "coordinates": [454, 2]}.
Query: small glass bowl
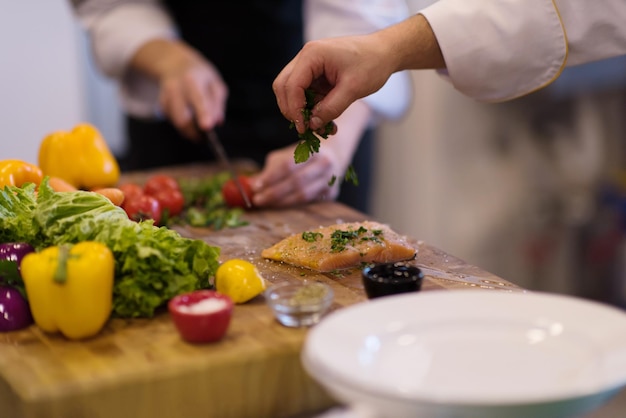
{"type": "Point", "coordinates": [391, 278]}
{"type": "Point", "coordinates": [299, 304]}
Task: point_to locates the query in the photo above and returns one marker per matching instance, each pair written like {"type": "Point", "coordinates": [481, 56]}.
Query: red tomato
{"type": "Point", "coordinates": [159, 182]}
{"type": "Point", "coordinates": [231, 194]}
{"type": "Point", "coordinates": [171, 200]}
{"type": "Point", "coordinates": [131, 191]}
{"type": "Point", "coordinates": [143, 207]}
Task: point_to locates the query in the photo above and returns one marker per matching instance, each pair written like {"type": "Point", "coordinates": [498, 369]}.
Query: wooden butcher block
{"type": "Point", "coordinates": [141, 368]}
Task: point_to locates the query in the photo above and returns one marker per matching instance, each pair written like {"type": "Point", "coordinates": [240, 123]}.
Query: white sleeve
{"type": "Point", "coordinates": [595, 29]}
{"type": "Point", "coordinates": [118, 28]}
{"type": "Point", "coordinates": [332, 18]}
{"type": "Point", "coordinates": [498, 50]}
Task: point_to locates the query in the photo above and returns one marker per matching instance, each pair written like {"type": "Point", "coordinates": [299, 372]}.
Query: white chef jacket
{"type": "Point", "coordinates": [117, 29]}
{"type": "Point", "coordinates": [497, 50]}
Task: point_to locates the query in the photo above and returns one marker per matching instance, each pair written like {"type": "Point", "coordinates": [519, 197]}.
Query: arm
{"type": "Point", "coordinates": [349, 68]}
{"type": "Point", "coordinates": [136, 43]}
{"type": "Point", "coordinates": [282, 181]}
{"type": "Point", "coordinates": [335, 18]}
{"type": "Point", "coordinates": [191, 88]}
{"type": "Point", "coordinates": [117, 29]}
{"type": "Point", "coordinates": [494, 50]}
{"type": "Point", "coordinates": [522, 46]}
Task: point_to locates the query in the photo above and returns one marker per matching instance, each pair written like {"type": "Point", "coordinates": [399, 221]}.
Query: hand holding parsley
{"type": "Point", "coordinates": [310, 141]}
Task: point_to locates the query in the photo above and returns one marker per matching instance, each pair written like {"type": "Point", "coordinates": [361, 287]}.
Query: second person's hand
{"type": "Point", "coordinates": [284, 183]}
{"type": "Point", "coordinates": [192, 92]}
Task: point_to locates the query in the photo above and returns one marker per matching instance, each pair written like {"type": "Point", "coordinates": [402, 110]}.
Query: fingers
{"type": "Point", "coordinates": [283, 182]}
{"type": "Point", "coordinates": [208, 103]}
{"type": "Point", "coordinates": [330, 108]}
{"type": "Point", "coordinates": [323, 68]}
{"type": "Point", "coordinates": [177, 109]}
{"type": "Point", "coordinates": [289, 192]}
{"type": "Point", "coordinates": [194, 99]}
{"type": "Point", "coordinates": [289, 97]}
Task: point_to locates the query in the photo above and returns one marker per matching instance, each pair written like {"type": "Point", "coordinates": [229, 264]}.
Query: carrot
{"type": "Point", "coordinates": [115, 195]}
{"type": "Point", "coordinates": [60, 185]}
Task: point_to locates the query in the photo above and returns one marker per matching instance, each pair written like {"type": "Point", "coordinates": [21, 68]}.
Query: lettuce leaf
{"type": "Point", "coordinates": [152, 264]}
{"type": "Point", "coordinates": [17, 206]}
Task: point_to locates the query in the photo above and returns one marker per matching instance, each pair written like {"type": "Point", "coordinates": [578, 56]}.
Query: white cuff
{"type": "Point", "coordinates": [497, 50]}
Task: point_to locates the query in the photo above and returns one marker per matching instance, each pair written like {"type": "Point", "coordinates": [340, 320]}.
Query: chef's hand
{"type": "Point", "coordinates": [342, 70]}
{"type": "Point", "coordinates": [284, 183]}
{"type": "Point", "coordinates": [189, 84]}
{"type": "Point", "coordinates": [339, 70]}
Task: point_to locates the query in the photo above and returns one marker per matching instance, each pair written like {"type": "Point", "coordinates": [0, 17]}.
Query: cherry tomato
{"type": "Point", "coordinates": [171, 200]}
{"type": "Point", "coordinates": [159, 182]}
{"type": "Point", "coordinates": [231, 194]}
{"type": "Point", "coordinates": [143, 207]}
{"type": "Point", "coordinates": [131, 191]}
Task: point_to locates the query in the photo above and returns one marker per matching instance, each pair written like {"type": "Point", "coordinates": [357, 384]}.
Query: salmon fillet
{"type": "Point", "coordinates": [341, 246]}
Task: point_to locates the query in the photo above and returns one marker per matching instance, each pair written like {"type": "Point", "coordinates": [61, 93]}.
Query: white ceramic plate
{"type": "Point", "coordinates": [467, 353]}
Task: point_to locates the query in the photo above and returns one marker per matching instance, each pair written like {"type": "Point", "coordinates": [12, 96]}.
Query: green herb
{"type": "Point", "coordinates": [205, 206]}
{"type": "Point", "coordinates": [374, 237]}
{"type": "Point", "coordinates": [310, 141]}
{"type": "Point", "coordinates": [312, 236]}
{"type": "Point", "coordinates": [339, 239]}
{"type": "Point", "coordinates": [337, 274]}
{"type": "Point", "coordinates": [351, 176]}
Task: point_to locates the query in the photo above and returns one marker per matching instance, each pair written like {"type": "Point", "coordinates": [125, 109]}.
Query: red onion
{"type": "Point", "coordinates": [14, 310]}
{"type": "Point", "coordinates": [14, 251]}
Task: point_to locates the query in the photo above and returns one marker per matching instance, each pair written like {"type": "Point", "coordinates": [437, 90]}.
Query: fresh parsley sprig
{"type": "Point", "coordinates": [310, 141]}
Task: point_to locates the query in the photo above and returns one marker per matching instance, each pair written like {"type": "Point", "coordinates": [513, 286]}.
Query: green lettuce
{"type": "Point", "coordinates": [152, 264]}
{"type": "Point", "coordinates": [17, 207]}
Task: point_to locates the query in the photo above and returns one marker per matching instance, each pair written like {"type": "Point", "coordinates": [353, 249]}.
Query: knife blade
{"type": "Point", "coordinates": [214, 142]}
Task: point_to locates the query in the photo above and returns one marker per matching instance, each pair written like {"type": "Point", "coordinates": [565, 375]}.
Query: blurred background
{"type": "Point", "coordinates": [532, 190]}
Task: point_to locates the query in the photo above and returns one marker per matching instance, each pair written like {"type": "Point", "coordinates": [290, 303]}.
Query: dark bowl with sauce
{"type": "Point", "coordinates": [387, 279]}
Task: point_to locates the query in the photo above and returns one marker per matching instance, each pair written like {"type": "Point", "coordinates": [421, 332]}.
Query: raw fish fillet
{"type": "Point", "coordinates": [342, 246]}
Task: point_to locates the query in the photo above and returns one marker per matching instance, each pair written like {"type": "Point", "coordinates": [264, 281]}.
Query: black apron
{"type": "Point", "coordinates": [249, 41]}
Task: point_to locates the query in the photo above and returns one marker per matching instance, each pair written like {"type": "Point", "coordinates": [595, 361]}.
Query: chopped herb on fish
{"type": "Point", "coordinates": [312, 236]}
{"type": "Point", "coordinates": [339, 239]}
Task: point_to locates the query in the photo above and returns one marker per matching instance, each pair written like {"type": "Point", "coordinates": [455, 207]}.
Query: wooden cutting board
{"type": "Point", "coordinates": [141, 368]}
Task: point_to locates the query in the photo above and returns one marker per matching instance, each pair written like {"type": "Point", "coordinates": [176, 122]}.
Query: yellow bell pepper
{"type": "Point", "coordinates": [80, 157]}
{"type": "Point", "coordinates": [18, 172]}
{"type": "Point", "coordinates": [70, 288]}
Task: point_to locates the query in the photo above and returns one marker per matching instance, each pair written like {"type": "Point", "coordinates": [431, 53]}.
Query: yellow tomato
{"type": "Point", "coordinates": [239, 279]}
